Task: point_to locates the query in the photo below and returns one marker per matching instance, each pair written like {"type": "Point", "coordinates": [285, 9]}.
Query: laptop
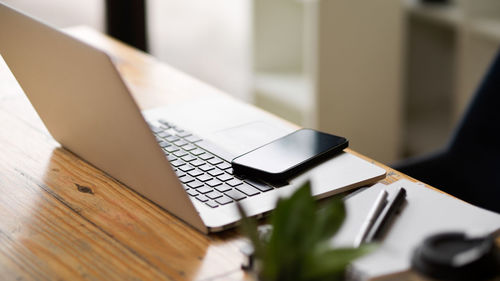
{"type": "Point", "coordinates": [177, 156]}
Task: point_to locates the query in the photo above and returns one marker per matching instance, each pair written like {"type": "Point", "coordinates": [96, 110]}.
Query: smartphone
{"type": "Point", "coordinates": [285, 157]}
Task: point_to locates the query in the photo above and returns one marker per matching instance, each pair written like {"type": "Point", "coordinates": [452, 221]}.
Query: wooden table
{"type": "Point", "coordinates": [63, 219]}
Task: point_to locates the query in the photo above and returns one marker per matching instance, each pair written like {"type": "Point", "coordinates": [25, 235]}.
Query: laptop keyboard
{"type": "Point", "coordinates": [206, 175]}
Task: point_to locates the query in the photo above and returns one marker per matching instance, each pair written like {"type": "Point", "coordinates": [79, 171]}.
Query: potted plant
{"type": "Point", "coordinates": [298, 246]}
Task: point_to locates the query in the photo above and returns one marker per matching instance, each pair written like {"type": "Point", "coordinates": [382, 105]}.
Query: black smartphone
{"type": "Point", "coordinates": [285, 157]}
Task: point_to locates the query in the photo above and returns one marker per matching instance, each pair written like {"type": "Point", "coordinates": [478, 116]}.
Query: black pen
{"type": "Point", "coordinates": [380, 226]}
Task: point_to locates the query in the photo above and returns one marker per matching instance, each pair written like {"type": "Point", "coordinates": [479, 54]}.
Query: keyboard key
{"type": "Point", "coordinates": [213, 182]}
{"type": "Point", "coordinates": [225, 177]}
{"type": "Point", "coordinates": [183, 134]}
{"type": "Point", "coordinates": [195, 184]}
{"type": "Point", "coordinates": [180, 142]}
{"type": "Point", "coordinates": [197, 163]}
{"type": "Point", "coordinates": [180, 153]}
{"type": "Point", "coordinates": [259, 185]}
{"type": "Point", "coordinates": [164, 144]}
{"type": "Point", "coordinates": [172, 138]}
{"type": "Point", "coordinates": [192, 138]}
{"type": "Point", "coordinates": [224, 200]}
{"type": "Point", "coordinates": [204, 178]}
{"type": "Point", "coordinates": [171, 149]}
{"type": "Point", "coordinates": [214, 194]}
{"type": "Point", "coordinates": [178, 129]}
{"type": "Point", "coordinates": [195, 173]}
{"type": "Point", "coordinates": [206, 156]}
{"type": "Point", "coordinates": [214, 161]}
{"type": "Point", "coordinates": [224, 165]}
{"type": "Point", "coordinates": [212, 204]}
{"type": "Point", "coordinates": [171, 131]}
{"type": "Point", "coordinates": [188, 158]}
{"type": "Point", "coordinates": [189, 147]}
{"type": "Point", "coordinates": [155, 129]}
{"type": "Point", "coordinates": [206, 168]}
{"type": "Point", "coordinates": [215, 172]}
{"type": "Point", "coordinates": [171, 157]}
{"type": "Point", "coordinates": [163, 135]}
{"type": "Point", "coordinates": [202, 198]}
{"type": "Point", "coordinates": [187, 179]}
{"type": "Point", "coordinates": [229, 171]}
{"type": "Point", "coordinates": [234, 182]}
{"type": "Point", "coordinates": [165, 123]}
{"type": "Point", "coordinates": [197, 151]}
{"type": "Point", "coordinates": [192, 192]}
{"type": "Point", "coordinates": [247, 189]}
{"type": "Point", "coordinates": [180, 174]}
{"type": "Point", "coordinates": [222, 188]}
{"type": "Point", "coordinates": [204, 189]}
{"type": "Point", "coordinates": [235, 194]}
{"type": "Point", "coordinates": [186, 168]}
{"type": "Point", "coordinates": [177, 163]}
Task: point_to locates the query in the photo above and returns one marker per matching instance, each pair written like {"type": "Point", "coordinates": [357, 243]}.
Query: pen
{"type": "Point", "coordinates": [385, 217]}
{"type": "Point", "coordinates": [377, 207]}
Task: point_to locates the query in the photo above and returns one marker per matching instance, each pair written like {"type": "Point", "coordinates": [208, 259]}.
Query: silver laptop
{"type": "Point", "coordinates": [177, 156]}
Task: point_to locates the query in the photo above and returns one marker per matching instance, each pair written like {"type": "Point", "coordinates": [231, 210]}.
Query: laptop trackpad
{"type": "Point", "coordinates": [243, 138]}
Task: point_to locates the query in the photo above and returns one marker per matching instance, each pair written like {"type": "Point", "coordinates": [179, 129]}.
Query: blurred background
{"type": "Point", "coordinates": [393, 76]}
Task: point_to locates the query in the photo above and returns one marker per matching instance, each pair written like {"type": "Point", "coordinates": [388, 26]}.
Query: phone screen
{"type": "Point", "coordinates": [290, 152]}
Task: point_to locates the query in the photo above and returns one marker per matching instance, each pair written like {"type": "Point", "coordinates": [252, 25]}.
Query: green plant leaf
{"type": "Point", "coordinates": [325, 264]}
{"type": "Point", "coordinates": [329, 219]}
{"type": "Point", "coordinates": [298, 248]}
{"type": "Point", "coordinates": [288, 244]}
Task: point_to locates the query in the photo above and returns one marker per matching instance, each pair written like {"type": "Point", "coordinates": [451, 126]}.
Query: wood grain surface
{"type": "Point", "coordinates": [63, 219]}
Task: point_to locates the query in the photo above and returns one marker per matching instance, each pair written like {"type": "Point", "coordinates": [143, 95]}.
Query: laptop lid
{"type": "Point", "coordinates": [85, 105]}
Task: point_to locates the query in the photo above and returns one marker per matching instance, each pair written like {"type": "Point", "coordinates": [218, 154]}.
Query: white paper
{"type": "Point", "coordinates": [425, 212]}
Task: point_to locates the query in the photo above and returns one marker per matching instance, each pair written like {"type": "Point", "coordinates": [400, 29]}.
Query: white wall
{"type": "Point", "coordinates": [207, 39]}
{"type": "Point", "coordinates": [63, 13]}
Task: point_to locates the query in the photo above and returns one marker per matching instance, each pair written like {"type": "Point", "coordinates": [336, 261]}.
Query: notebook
{"type": "Point", "coordinates": [82, 100]}
{"type": "Point", "coordinates": [426, 212]}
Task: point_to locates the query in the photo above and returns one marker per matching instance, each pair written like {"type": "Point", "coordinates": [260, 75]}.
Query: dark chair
{"type": "Point", "coordinates": [469, 166]}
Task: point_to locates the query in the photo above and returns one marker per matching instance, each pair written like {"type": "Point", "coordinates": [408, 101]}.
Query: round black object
{"type": "Point", "coordinates": [454, 256]}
